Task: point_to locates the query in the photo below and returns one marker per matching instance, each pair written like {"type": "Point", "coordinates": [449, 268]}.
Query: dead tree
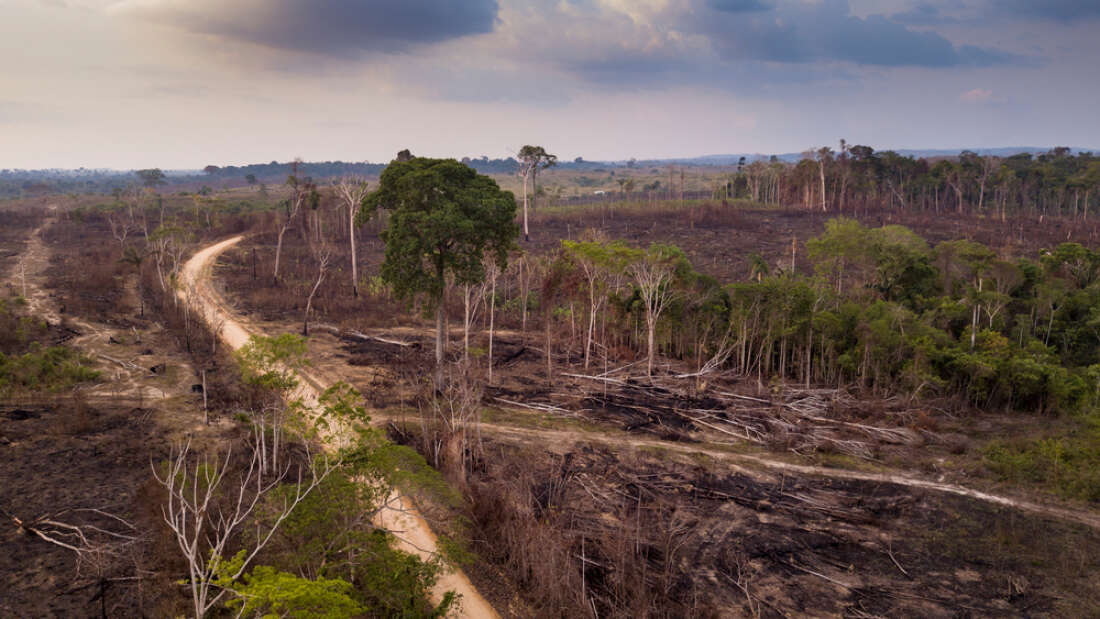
{"type": "Point", "coordinates": [452, 431]}
{"type": "Point", "coordinates": [493, 272]}
{"type": "Point", "coordinates": [472, 298]}
{"type": "Point", "coordinates": [94, 535]}
{"type": "Point", "coordinates": [302, 190]}
{"type": "Point", "coordinates": [119, 229]}
{"type": "Point", "coordinates": [352, 190]}
{"type": "Point", "coordinates": [205, 511]}
{"type": "Point", "coordinates": [322, 253]}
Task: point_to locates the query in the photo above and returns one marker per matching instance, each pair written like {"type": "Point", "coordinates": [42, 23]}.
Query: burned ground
{"type": "Point", "coordinates": [689, 539]}
{"type": "Point", "coordinates": [68, 455]}
{"type": "Point", "coordinates": [66, 452]}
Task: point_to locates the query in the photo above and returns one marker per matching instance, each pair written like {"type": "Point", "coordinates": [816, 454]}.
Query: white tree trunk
{"type": "Point", "coordinates": [354, 260]}
{"type": "Point", "coordinates": [526, 232]}
{"type": "Point", "coordinates": [492, 316]}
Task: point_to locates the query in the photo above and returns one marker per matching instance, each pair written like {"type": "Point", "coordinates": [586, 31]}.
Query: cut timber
{"type": "Point", "coordinates": [352, 333]}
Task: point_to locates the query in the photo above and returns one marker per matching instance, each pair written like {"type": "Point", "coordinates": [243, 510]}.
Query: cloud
{"type": "Point", "coordinates": [337, 27]}
{"type": "Point", "coordinates": [739, 6]}
{"type": "Point", "coordinates": [805, 32]}
{"type": "Point", "coordinates": [1060, 10]}
{"type": "Point", "coordinates": [924, 14]}
{"type": "Point", "coordinates": [977, 96]}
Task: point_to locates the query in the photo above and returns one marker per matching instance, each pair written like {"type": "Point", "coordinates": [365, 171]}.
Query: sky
{"type": "Point", "coordinates": [180, 84]}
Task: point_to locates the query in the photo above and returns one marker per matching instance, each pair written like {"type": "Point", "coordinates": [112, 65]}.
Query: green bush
{"type": "Point", "coordinates": [1067, 465]}
{"type": "Point", "coordinates": [52, 369]}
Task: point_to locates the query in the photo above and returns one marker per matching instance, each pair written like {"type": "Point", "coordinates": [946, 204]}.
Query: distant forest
{"type": "Point", "coordinates": [857, 177]}
{"type": "Point", "coordinates": [851, 178]}
{"type": "Point", "coordinates": [24, 183]}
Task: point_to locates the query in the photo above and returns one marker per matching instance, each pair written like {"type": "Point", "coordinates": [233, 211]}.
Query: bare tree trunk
{"type": "Point", "coordinates": [592, 308]}
{"type": "Point", "coordinates": [526, 232]}
{"type": "Point", "coordinates": [524, 283]}
{"type": "Point", "coordinates": [278, 252]}
{"type": "Point", "coordinates": [317, 284]}
{"type": "Point", "coordinates": [821, 170]}
{"type": "Point", "coordinates": [354, 260]}
{"type": "Point", "coordinates": [492, 317]}
{"type": "Point", "coordinates": [440, 325]}
{"type": "Point", "coordinates": [651, 328]}
{"type": "Point", "coordinates": [466, 324]}
{"type": "Point", "coordinates": [549, 360]}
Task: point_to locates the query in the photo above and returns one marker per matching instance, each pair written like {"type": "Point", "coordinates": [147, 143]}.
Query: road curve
{"type": "Point", "coordinates": [398, 515]}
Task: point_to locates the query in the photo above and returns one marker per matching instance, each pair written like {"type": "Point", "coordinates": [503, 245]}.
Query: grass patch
{"type": "Point", "coordinates": [1067, 465]}
{"type": "Point", "coordinates": [52, 369]}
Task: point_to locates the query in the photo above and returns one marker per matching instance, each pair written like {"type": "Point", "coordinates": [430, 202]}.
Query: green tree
{"type": "Point", "coordinates": [446, 217]}
{"type": "Point", "coordinates": [152, 177]}
{"type": "Point", "coordinates": [532, 159]}
{"type": "Point", "coordinates": [267, 592]}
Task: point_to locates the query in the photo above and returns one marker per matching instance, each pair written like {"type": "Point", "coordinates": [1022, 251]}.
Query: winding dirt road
{"type": "Point", "coordinates": [398, 515]}
{"type": "Point", "coordinates": [207, 302]}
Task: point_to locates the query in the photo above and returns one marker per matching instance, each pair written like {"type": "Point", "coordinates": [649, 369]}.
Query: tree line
{"type": "Point", "coordinates": [854, 178]}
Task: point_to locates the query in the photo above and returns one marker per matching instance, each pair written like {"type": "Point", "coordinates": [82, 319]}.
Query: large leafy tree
{"type": "Point", "coordinates": [152, 177]}
{"type": "Point", "coordinates": [445, 219]}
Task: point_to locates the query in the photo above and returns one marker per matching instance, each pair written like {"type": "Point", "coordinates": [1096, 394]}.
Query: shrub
{"type": "Point", "coordinates": [52, 369]}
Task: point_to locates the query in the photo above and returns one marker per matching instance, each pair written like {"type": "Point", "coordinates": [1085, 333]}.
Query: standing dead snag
{"type": "Point", "coordinates": [322, 253]}
{"type": "Point", "coordinates": [303, 190]}
{"type": "Point", "coordinates": [494, 273]}
{"type": "Point", "coordinates": [205, 512]}
{"type": "Point", "coordinates": [352, 190]}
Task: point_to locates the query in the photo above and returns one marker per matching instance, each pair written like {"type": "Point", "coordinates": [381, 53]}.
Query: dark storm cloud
{"type": "Point", "coordinates": [1062, 10]}
{"type": "Point", "coordinates": [338, 27]}
{"type": "Point", "coordinates": [807, 33]}
{"type": "Point", "coordinates": [739, 6]}
{"type": "Point", "coordinates": [924, 14]}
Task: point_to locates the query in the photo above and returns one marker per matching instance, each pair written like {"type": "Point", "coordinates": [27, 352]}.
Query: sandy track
{"type": "Point", "coordinates": [398, 515]}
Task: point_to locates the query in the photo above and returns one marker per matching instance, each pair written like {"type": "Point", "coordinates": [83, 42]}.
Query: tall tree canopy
{"type": "Point", "coordinates": [152, 177]}
{"type": "Point", "coordinates": [445, 219]}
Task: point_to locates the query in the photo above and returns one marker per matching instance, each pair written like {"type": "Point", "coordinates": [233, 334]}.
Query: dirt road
{"type": "Point", "coordinates": [398, 515]}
